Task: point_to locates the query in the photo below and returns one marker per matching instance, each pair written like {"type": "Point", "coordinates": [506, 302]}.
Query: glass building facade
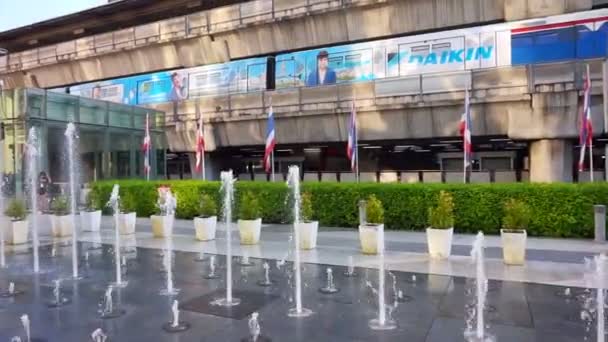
{"type": "Point", "coordinates": [109, 144]}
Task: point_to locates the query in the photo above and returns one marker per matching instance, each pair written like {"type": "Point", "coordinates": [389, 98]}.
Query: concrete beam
{"type": "Point", "coordinates": [523, 9]}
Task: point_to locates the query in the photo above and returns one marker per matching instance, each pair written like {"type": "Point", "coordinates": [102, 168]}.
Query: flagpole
{"type": "Point", "coordinates": [464, 167]}
{"type": "Point", "coordinates": [203, 164]}
{"type": "Point", "coordinates": [591, 159]}
{"type": "Point", "coordinates": [272, 165]}
{"type": "Point", "coordinates": [591, 132]}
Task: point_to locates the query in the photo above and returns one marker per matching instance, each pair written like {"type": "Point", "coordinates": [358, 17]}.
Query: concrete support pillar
{"type": "Point", "coordinates": [551, 160]}
{"type": "Point", "coordinates": [524, 9]}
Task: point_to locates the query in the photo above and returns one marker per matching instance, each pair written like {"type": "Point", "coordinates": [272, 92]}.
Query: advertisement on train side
{"type": "Point", "coordinates": [388, 58]}
{"type": "Point", "coordinates": [174, 86]}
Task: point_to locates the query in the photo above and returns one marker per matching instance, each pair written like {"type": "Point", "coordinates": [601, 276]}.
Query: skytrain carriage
{"type": "Point", "coordinates": [176, 85]}
{"type": "Point", "coordinates": [558, 38]}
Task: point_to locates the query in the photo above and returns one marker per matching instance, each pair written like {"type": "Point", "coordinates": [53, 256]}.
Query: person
{"type": "Point", "coordinates": [324, 74]}
{"type": "Point", "coordinates": [96, 93]}
{"type": "Point", "coordinates": [44, 181]}
{"type": "Point", "coordinates": [177, 93]}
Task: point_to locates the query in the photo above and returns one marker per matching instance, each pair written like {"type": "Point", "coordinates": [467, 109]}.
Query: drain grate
{"type": "Point", "coordinates": [250, 302]}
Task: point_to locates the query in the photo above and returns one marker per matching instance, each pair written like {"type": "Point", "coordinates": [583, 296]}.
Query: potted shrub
{"type": "Point", "coordinates": [513, 233]}
{"type": "Point", "coordinates": [127, 216]}
{"type": "Point", "coordinates": [18, 228]}
{"type": "Point", "coordinates": [205, 224]}
{"type": "Point", "coordinates": [250, 223]}
{"type": "Point", "coordinates": [90, 217]}
{"type": "Point", "coordinates": [441, 221]}
{"type": "Point", "coordinates": [61, 221]}
{"type": "Point", "coordinates": [371, 233]}
{"type": "Point", "coordinates": [162, 222]}
{"type": "Point", "coordinates": [307, 228]}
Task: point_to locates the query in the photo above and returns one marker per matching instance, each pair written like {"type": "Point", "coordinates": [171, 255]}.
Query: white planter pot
{"type": "Point", "coordinates": [45, 224]}
{"type": "Point", "coordinates": [371, 238]}
{"type": "Point", "coordinates": [162, 226]}
{"type": "Point", "coordinates": [62, 225]}
{"type": "Point", "coordinates": [249, 231]}
{"type": "Point", "coordinates": [514, 246]}
{"type": "Point", "coordinates": [439, 242]}
{"type": "Point", "coordinates": [16, 233]}
{"type": "Point", "coordinates": [307, 232]}
{"type": "Point", "coordinates": [205, 228]}
{"type": "Point", "coordinates": [90, 221]}
{"type": "Point", "coordinates": [126, 223]}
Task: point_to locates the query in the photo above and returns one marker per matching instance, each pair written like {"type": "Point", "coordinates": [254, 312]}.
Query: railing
{"type": "Point", "coordinates": [197, 24]}
{"type": "Point", "coordinates": [409, 176]}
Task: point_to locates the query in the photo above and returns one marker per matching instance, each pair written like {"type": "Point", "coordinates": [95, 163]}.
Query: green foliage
{"type": "Point", "coordinates": [374, 210]}
{"type": "Point", "coordinates": [249, 207]}
{"type": "Point", "coordinates": [442, 216]}
{"type": "Point", "coordinates": [517, 215]}
{"type": "Point", "coordinates": [16, 210]}
{"type": "Point", "coordinates": [207, 206]}
{"type": "Point", "coordinates": [306, 212]}
{"type": "Point", "coordinates": [557, 210]}
{"type": "Point", "coordinates": [92, 201]}
{"type": "Point", "coordinates": [60, 206]}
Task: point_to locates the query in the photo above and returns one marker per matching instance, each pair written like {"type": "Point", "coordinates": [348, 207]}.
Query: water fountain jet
{"type": "Point", "coordinates": [71, 136]}
{"type": "Point", "coordinates": [211, 274]}
{"type": "Point", "coordinates": [228, 190]}
{"type": "Point", "coordinates": [329, 287]}
{"type": "Point", "coordinates": [176, 325]}
{"type": "Point", "coordinates": [32, 173]}
{"type": "Point", "coordinates": [381, 322]}
{"type": "Point", "coordinates": [114, 203]}
{"type": "Point", "coordinates": [108, 309]}
{"type": "Point", "coordinates": [293, 181]}
{"type": "Point", "coordinates": [266, 281]}
{"type": "Point", "coordinates": [479, 334]}
{"type": "Point", "coordinates": [57, 300]}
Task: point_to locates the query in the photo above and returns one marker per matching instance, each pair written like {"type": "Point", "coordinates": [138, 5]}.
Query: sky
{"type": "Point", "coordinates": [17, 13]}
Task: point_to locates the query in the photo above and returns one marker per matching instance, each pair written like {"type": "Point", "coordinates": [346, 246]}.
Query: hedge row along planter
{"type": "Point", "coordinates": [162, 225]}
{"type": "Point", "coordinates": [249, 231]}
{"type": "Point", "coordinates": [205, 228]}
{"type": "Point", "coordinates": [90, 221]}
{"type": "Point", "coordinates": [126, 223]}
{"type": "Point", "coordinates": [16, 232]}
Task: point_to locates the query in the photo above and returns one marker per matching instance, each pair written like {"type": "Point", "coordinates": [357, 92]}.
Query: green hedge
{"type": "Point", "coordinates": [558, 210]}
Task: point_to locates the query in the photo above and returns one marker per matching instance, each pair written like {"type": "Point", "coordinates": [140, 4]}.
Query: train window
{"type": "Point", "coordinates": [336, 62]}
{"type": "Point", "coordinates": [256, 76]}
{"type": "Point", "coordinates": [438, 48]}
{"type": "Point", "coordinates": [352, 61]}
{"type": "Point", "coordinates": [420, 48]}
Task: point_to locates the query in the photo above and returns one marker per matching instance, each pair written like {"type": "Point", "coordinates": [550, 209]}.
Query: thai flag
{"type": "Point", "coordinates": [270, 141]}
{"type": "Point", "coordinates": [146, 146]}
{"type": "Point", "coordinates": [586, 133]}
{"type": "Point", "coordinates": [465, 130]}
{"type": "Point", "coordinates": [200, 141]}
{"type": "Point", "coordinates": [351, 147]}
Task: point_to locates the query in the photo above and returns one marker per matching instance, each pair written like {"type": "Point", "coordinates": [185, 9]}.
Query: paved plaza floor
{"type": "Point", "coordinates": [525, 303]}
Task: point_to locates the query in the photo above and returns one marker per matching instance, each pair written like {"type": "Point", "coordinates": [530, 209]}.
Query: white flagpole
{"type": "Point", "coordinates": [591, 137]}
{"type": "Point", "coordinates": [591, 159]}
{"type": "Point", "coordinates": [356, 147]}
{"type": "Point", "coordinates": [272, 165]}
{"type": "Point", "coordinates": [464, 168]}
{"type": "Point", "coordinates": [203, 163]}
